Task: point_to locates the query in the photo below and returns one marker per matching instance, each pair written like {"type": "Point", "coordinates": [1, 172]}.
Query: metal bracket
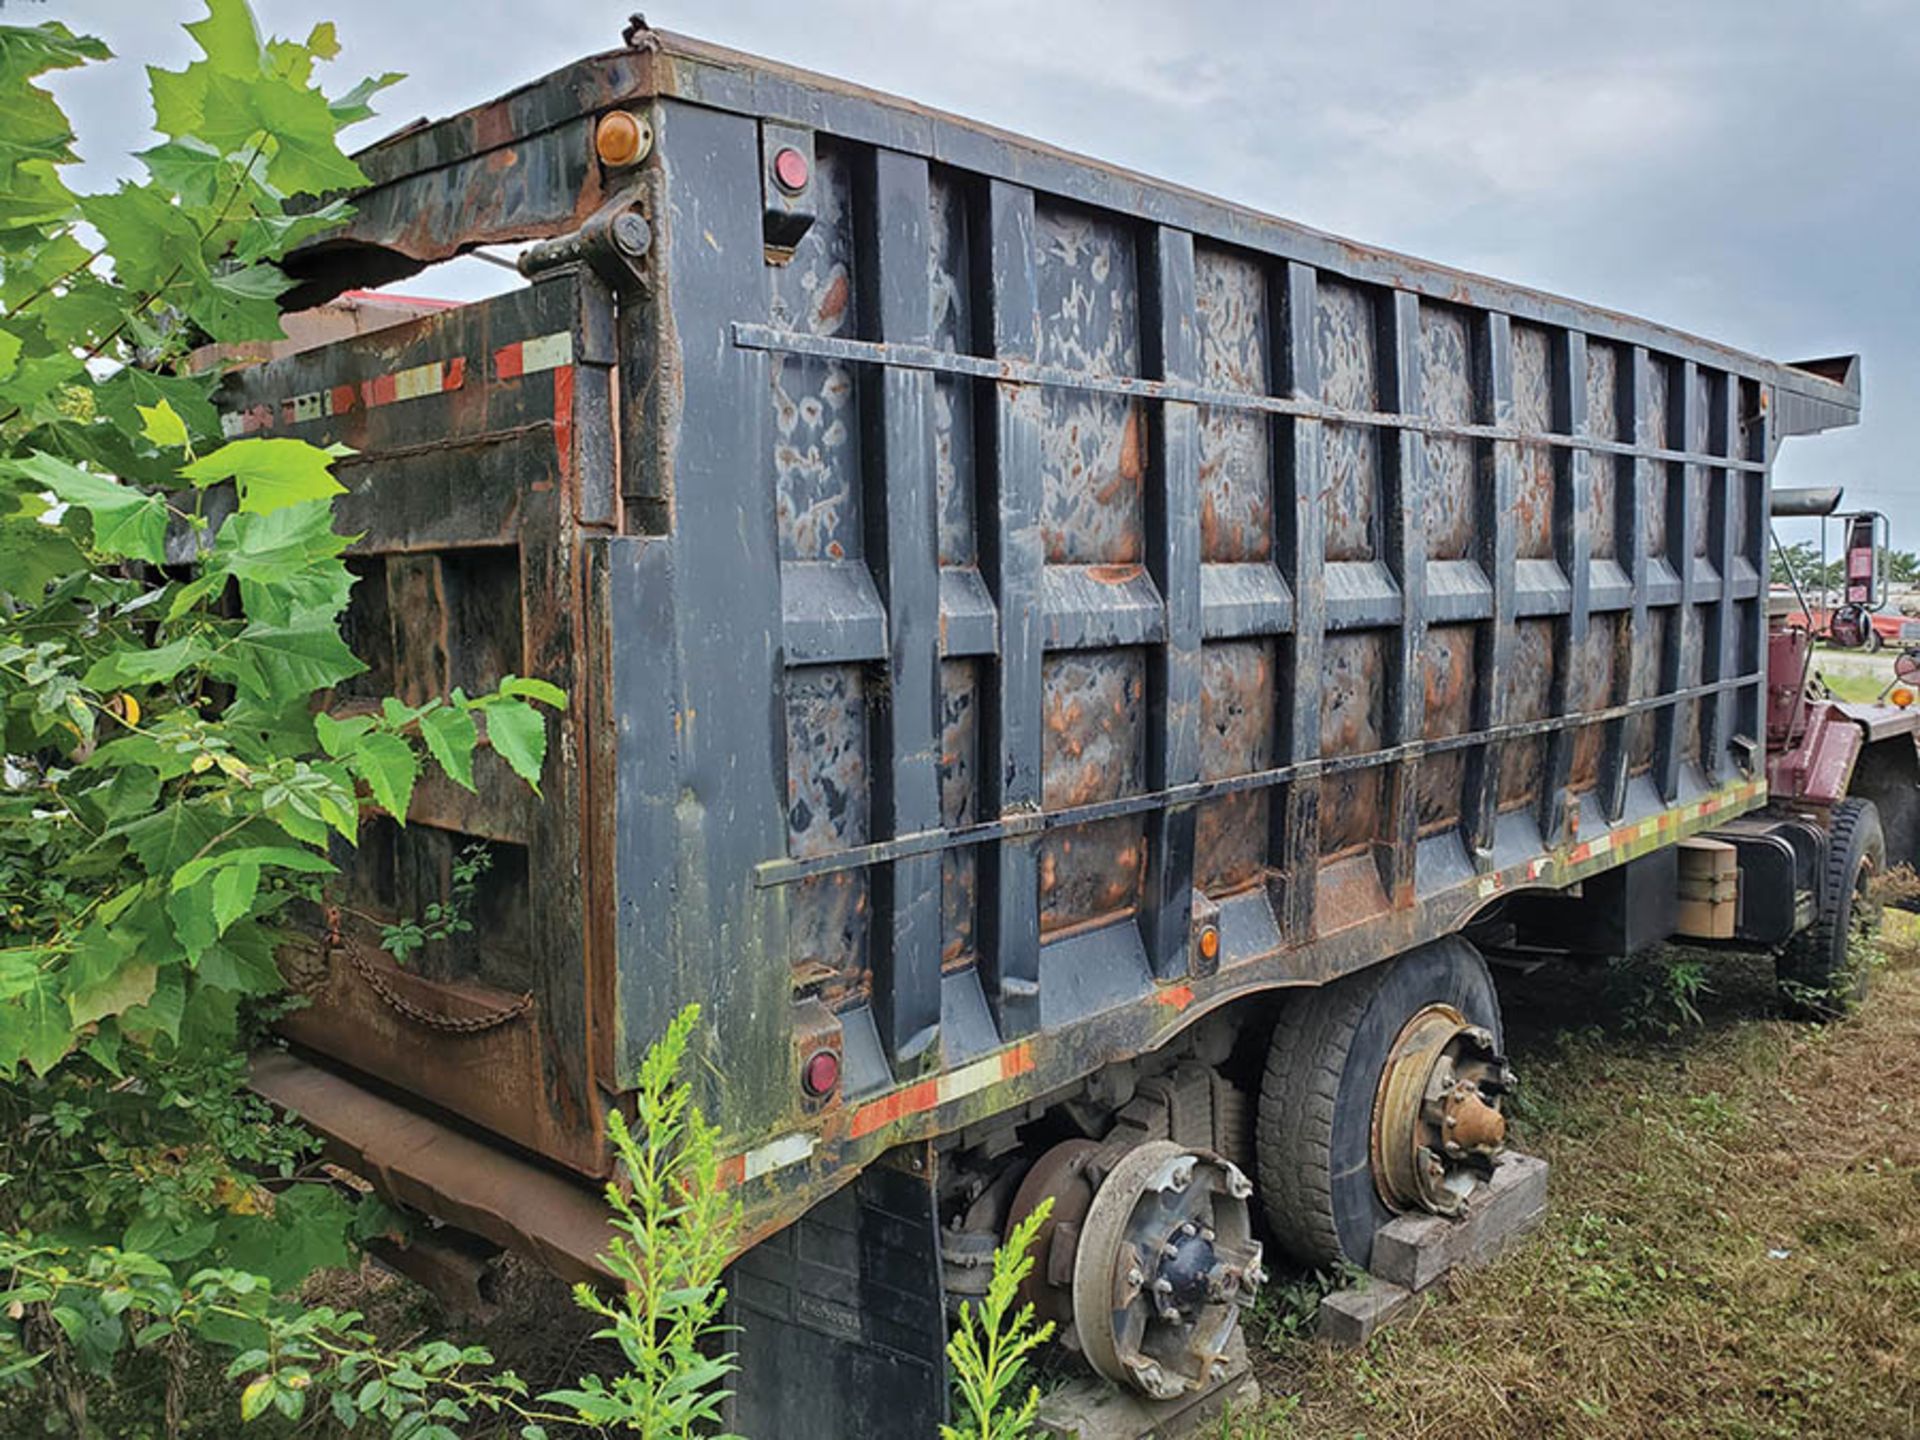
{"type": "Point", "coordinates": [615, 242]}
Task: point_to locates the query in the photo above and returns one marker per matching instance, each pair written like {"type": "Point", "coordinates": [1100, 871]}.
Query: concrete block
{"type": "Point", "coordinates": [1413, 1251]}
{"type": "Point", "coordinates": [1348, 1318]}
{"type": "Point", "coordinates": [1091, 1409]}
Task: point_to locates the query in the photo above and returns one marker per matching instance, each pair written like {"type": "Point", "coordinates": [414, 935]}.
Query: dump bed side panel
{"type": "Point", "coordinates": [1132, 618]}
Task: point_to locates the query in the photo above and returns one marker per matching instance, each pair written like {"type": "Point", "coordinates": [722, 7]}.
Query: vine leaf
{"type": "Point", "coordinates": [126, 522]}
{"type": "Point", "coordinates": [519, 737]}
{"type": "Point", "coordinates": [450, 736]}
{"type": "Point", "coordinates": [388, 765]}
{"type": "Point", "coordinates": [270, 473]}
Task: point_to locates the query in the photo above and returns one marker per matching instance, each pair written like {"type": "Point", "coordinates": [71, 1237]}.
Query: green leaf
{"type": "Point", "coordinates": [337, 737]}
{"type": "Point", "coordinates": [239, 304]}
{"type": "Point", "coordinates": [163, 425]}
{"type": "Point", "coordinates": [9, 353]}
{"type": "Point", "coordinates": [450, 736]}
{"type": "Point", "coordinates": [126, 522]}
{"type": "Point", "coordinates": [305, 862]}
{"type": "Point", "coordinates": [518, 736]}
{"type": "Point", "coordinates": [161, 1014]}
{"type": "Point", "coordinates": [35, 1027]}
{"type": "Point", "coordinates": [189, 167]}
{"type": "Point", "coordinates": [270, 474]}
{"type": "Point", "coordinates": [121, 668]}
{"type": "Point", "coordinates": [352, 106]}
{"type": "Point", "coordinates": [241, 970]}
{"type": "Point", "coordinates": [130, 986]}
{"type": "Point", "coordinates": [169, 839]}
{"type": "Point", "coordinates": [155, 247]}
{"type": "Point", "coordinates": [543, 691]}
{"type": "Point", "coordinates": [388, 765]}
{"type": "Point", "coordinates": [193, 924]}
{"type": "Point", "coordinates": [234, 887]}
{"type": "Point", "coordinates": [258, 1395]}
{"type": "Point", "coordinates": [288, 662]}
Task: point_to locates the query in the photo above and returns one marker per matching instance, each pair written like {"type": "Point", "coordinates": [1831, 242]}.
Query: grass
{"type": "Point", "coordinates": [1732, 1249]}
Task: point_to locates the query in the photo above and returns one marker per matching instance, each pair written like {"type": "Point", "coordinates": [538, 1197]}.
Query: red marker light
{"type": "Point", "coordinates": [790, 168]}
{"type": "Point", "coordinates": [821, 1074]}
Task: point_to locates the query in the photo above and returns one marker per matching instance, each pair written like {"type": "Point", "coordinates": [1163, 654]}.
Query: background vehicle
{"type": "Point", "coordinates": [1067, 672]}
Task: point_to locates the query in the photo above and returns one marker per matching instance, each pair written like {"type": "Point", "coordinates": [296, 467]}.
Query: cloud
{"type": "Point", "coordinates": [1742, 171]}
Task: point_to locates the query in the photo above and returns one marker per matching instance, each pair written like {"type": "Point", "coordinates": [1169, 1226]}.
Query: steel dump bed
{"type": "Point", "coordinates": [1009, 607]}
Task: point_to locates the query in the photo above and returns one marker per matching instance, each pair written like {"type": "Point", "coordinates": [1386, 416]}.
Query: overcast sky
{"type": "Point", "coordinates": [1741, 169]}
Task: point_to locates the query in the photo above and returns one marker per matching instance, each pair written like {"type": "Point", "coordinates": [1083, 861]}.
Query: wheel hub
{"type": "Point", "coordinates": [1166, 1259]}
{"type": "Point", "coordinates": [1437, 1122]}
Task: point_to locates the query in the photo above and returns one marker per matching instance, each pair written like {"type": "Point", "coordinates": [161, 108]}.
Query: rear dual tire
{"type": "Point", "coordinates": [1323, 1071]}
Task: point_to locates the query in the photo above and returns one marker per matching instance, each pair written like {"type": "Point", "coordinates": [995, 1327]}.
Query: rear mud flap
{"type": "Point", "coordinates": [842, 1319]}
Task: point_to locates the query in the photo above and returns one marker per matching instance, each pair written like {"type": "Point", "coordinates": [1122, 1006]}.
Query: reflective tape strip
{"type": "Point", "coordinates": [530, 357]}
{"type": "Point", "coordinates": [931, 1094]}
{"type": "Point", "coordinates": [435, 378]}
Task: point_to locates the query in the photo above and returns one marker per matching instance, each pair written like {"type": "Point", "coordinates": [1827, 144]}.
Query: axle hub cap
{"type": "Point", "coordinates": [1436, 1113]}
{"type": "Point", "coordinates": [1166, 1259]}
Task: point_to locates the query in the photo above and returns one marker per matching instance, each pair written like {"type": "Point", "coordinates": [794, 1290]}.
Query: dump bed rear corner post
{"type": "Point", "coordinates": [1012, 558]}
{"type": "Point", "coordinates": [719, 785]}
{"type": "Point", "coordinates": [1407, 555]}
{"type": "Point", "coordinates": [1302, 546]}
{"type": "Point", "coordinates": [1173, 559]}
{"type": "Point", "coordinates": [1499, 550]}
{"type": "Point", "coordinates": [897, 406]}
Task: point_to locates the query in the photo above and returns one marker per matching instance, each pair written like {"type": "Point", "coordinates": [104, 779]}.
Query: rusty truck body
{"type": "Point", "coordinates": [1064, 670]}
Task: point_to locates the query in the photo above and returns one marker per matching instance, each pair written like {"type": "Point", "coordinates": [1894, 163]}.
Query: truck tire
{"type": "Point", "coordinates": [1819, 976]}
{"type": "Point", "coordinates": [1317, 1096]}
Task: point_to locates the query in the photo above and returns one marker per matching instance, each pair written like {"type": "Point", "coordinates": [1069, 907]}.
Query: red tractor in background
{"type": "Point", "coordinates": [1849, 769]}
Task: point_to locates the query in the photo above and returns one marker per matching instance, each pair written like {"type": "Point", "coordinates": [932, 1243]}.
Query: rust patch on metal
{"type": "Point", "coordinates": [1653, 520]}
{"type": "Point", "coordinates": [1643, 683]}
{"type": "Point", "coordinates": [1237, 706]}
{"type": "Point", "coordinates": [1529, 688]}
{"type": "Point", "coordinates": [1092, 450]}
{"type": "Point", "coordinates": [1353, 697]}
{"type": "Point", "coordinates": [1446, 393]}
{"type": "Point", "coordinates": [1533, 412]}
{"type": "Point", "coordinates": [1447, 710]}
{"type": "Point", "coordinates": [1590, 687]}
{"type": "Point", "coordinates": [816, 439]}
{"type": "Point", "coordinates": [1603, 423]}
{"type": "Point", "coordinates": [1236, 472]}
{"type": "Point", "coordinates": [1094, 749]}
{"type": "Point", "coordinates": [1344, 330]}
{"type": "Point", "coordinates": [828, 809]}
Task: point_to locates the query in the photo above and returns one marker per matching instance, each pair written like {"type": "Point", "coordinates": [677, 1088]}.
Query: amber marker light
{"type": "Point", "coordinates": [622, 138]}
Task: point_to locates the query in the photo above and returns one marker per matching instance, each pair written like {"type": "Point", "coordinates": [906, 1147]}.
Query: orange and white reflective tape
{"type": "Point", "coordinates": [530, 357]}
{"type": "Point", "coordinates": [764, 1159]}
{"type": "Point", "coordinates": [927, 1095]}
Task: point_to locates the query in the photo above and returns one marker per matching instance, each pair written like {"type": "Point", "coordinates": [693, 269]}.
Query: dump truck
{"type": "Point", "coordinates": [1073, 676]}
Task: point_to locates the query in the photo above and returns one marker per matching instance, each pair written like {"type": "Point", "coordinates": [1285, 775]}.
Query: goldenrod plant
{"type": "Point", "coordinates": [991, 1346]}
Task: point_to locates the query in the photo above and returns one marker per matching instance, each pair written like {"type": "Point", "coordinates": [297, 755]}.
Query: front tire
{"type": "Point", "coordinates": [1820, 972]}
{"type": "Point", "coordinates": [1324, 1065]}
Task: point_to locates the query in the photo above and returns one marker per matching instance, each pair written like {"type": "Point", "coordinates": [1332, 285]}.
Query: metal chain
{"type": "Point", "coordinates": [435, 1019]}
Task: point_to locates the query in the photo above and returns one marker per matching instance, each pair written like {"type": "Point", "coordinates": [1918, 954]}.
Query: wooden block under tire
{"type": "Point", "coordinates": [1413, 1251]}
